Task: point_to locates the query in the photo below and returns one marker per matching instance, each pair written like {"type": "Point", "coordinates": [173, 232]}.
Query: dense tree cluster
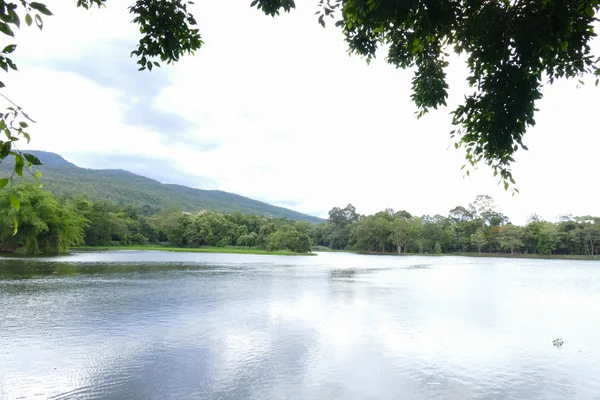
{"type": "Point", "coordinates": [129, 225]}
{"type": "Point", "coordinates": [51, 226]}
{"type": "Point", "coordinates": [48, 225]}
{"type": "Point", "coordinates": [45, 224]}
{"type": "Point", "coordinates": [476, 228]}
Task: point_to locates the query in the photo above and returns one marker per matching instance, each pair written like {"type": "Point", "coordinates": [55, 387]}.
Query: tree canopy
{"type": "Point", "coordinates": [50, 225]}
{"type": "Point", "coordinates": [45, 224]}
{"type": "Point", "coordinates": [482, 230]}
{"type": "Point", "coordinates": [513, 48]}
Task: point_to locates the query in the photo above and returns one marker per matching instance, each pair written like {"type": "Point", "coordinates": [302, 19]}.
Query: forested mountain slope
{"type": "Point", "coordinates": [123, 187]}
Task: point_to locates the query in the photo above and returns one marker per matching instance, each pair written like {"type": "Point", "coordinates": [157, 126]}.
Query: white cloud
{"type": "Point", "coordinates": [296, 119]}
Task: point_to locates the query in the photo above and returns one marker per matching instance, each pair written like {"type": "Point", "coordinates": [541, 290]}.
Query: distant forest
{"type": "Point", "coordinates": [477, 227]}
{"type": "Point", "coordinates": [47, 224]}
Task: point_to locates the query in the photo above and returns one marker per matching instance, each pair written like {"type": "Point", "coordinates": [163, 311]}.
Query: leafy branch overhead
{"type": "Point", "coordinates": [512, 47]}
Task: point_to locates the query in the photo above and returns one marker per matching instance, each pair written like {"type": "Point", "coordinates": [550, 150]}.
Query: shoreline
{"type": "Point", "coordinates": [206, 249]}
{"type": "Point", "coordinates": [482, 255]}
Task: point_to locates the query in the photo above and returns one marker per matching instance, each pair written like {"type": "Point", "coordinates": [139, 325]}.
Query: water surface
{"type": "Point", "coordinates": [157, 325]}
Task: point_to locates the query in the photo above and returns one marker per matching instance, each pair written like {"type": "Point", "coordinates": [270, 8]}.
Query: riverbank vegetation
{"type": "Point", "coordinates": [51, 225]}
{"type": "Point", "coordinates": [204, 249]}
{"type": "Point", "coordinates": [47, 225]}
{"type": "Point", "coordinates": [477, 228]}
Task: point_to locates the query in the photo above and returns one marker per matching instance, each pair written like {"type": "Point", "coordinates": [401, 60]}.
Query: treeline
{"type": "Point", "coordinates": [475, 228]}
{"type": "Point", "coordinates": [49, 225]}
{"type": "Point", "coordinates": [113, 224]}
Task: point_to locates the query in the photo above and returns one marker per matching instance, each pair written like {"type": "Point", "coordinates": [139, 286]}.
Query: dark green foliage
{"type": "Point", "coordinates": [51, 226]}
{"type": "Point", "coordinates": [168, 31]}
{"type": "Point", "coordinates": [135, 239]}
{"type": "Point", "coordinates": [339, 228]}
{"type": "Point", "coordinates": [121, 187]}
{"type": "Point", "coordinates": [480, 230]}
{"type": "Point", "coordinates": [512, 47]}
{"type": "Point", "coordinates": [287, 237]}
{"type": "Point", "coordinates": [222, 230]}
{"type": "Point", "coordinates": [45, 225]}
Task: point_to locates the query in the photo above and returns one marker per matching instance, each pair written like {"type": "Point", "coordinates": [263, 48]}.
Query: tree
{"type": "Point", "coordinates": [288, 238]}
{"type": "Point", "coordinates": [478, 239]}
{"type": "Point", "coordinates": [341, 220]}
{"type": "Point", "coordinates": [531, 233]}
{"type": "Point", "coordinates": [547, 238]}
{"type": "Point", "coordinates": [510, 237]}
{"type": "Point", "coordinates": [483, 208]}
{"type": "Point", "coordinates": [399, 234]}
{"type": "Point", "coordinates": [415, 232]}
{"type": "Point", "coordinates": [591, 234]}
{"type": "Point", "coordinates": [46, 225]}
{"type": "Point", "coordinates": [248, 240]}
{"type": "Point", "coordinates": [460, 214]}
{"type": "Point", "coordinates": [511, 46]}
{"type": "Point", "coordinates": [372, 233]}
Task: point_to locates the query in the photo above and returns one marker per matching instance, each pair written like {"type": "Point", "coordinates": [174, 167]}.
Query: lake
{"type": "Point", "coordinates": [157, 325]}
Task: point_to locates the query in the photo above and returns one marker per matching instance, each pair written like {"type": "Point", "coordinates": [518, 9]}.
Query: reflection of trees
{"type": "Point", "coordinates": [20, 269]}
{"type": "Point", "coordinates": [344, 273]}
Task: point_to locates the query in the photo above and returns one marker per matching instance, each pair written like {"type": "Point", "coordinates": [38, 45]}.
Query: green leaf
{"type": "Point", "coordinates": [589, 11]}
{"type": "Point", "coordinates": [28, 20]}
{"type": "Point", "coordinates": [38, 175]}
{"type": "Point", "coordinates": [40, 7]}
{"type": "Point", "coordinates": [15, 18]}
{"type": "Point", "coordinates": [23, 124]}
{"type": "Point", "coordinates": [38, 21]}
{"type": "Point", "coordinates": [11, 64]}
{"type": "Point", "coordinates": [3, 182]}
{"type": "Point", "coordinates": [15, 202]}
{"type": "Point", "coordinates": [4, 28]}
{"type": "Point", "coordinates": [19, 169]}
{"type": "Point", "coordinates": [9, 49]}
{"type": "Point", "coordinates": [32, 159]}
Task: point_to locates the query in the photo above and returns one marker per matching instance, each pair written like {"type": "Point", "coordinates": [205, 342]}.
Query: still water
{"type": "Point", "coordinates": [153, 325]}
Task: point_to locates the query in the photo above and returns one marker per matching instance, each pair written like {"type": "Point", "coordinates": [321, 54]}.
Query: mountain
{"type": "Point", "coordinates": [66, 179]}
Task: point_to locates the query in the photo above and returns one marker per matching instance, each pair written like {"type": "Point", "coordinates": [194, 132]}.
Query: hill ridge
{"type": "Point", "coordinates": [64, 178]}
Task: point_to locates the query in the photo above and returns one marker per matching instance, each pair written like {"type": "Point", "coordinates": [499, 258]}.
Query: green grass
{"type": "Point", "coordinates": [207, 249]}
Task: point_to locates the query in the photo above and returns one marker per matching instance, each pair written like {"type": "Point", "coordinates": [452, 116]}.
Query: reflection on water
{"type": "Point", "coordinates": [338, 326]}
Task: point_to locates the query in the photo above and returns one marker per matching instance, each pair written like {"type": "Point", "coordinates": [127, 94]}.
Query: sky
{"type": "Point", "coordinates": [275, 109]}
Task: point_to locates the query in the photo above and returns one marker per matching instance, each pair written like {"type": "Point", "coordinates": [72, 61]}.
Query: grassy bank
{"type": "Point", "coordinates": [207, 249]}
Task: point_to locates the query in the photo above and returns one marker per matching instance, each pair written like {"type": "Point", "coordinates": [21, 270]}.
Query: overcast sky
{"type": "Point", "coordinates": [276, 110]}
